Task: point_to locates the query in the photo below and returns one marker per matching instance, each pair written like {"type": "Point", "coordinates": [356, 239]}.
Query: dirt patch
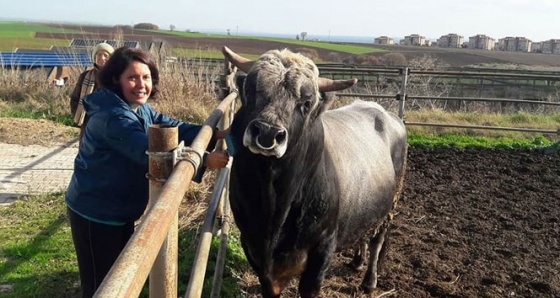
{"type": "Point", "coordinates": [35, 132]}
{"type": "Point", "coordinates": [471, 223]}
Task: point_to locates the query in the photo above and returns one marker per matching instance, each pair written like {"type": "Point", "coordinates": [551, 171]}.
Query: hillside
{"type": "Point", "coordinates": [252, 46]}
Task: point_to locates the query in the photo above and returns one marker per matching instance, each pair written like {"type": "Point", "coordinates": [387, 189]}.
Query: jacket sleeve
{"type": "Point", "coordinates": [75, 96]}
{"type": "Point", "coordinates": [187, 132]}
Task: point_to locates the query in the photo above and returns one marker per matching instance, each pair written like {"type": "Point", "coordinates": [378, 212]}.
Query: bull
{"type": "Point", "coordinates": [307, 181]}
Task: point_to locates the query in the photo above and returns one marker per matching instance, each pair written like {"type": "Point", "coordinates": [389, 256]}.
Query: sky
{"type": "Point", "coordinates": [536, 20]}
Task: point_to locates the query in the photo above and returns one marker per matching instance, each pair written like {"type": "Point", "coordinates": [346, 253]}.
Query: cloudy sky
{"type": "Point", "coordinates": [534, 19]}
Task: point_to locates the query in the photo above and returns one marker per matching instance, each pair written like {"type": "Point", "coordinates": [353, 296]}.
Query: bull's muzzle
{"type": "Point", "coordinates": [266, 139]}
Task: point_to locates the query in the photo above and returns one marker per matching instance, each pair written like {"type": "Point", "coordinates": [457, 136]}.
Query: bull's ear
{"type": "Point", "coordinates": [240, 82]}
{"type": "Point", "coordinates": [326, 99]}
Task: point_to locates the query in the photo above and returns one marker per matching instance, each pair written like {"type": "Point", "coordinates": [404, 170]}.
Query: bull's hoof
{"type": "Point", "coordinates": [367, 288]}
{"type": "Point", "coordinates": [356, 265]}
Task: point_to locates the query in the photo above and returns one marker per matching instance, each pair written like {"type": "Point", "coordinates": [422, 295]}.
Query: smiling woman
{"type": "Point", "coordinates": [108, 191]}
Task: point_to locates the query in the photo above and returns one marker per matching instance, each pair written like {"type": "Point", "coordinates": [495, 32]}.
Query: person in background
{"type": "Point", "coordinates": [88, 82]}
{"type": "Point", "coordinates": [108, 191]}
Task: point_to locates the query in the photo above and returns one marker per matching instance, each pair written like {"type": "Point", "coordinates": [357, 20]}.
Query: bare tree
{"type": "Point", "coordinates": [303, 35]}
{"type": "Point", "coordinates": [172, 27]}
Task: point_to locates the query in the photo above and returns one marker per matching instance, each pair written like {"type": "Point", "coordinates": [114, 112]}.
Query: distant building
{"type": "Point", "coordinates": [551, 46]}
{"type": "Point", "coordinates": [514, 44]}
{"type": "Point", "coordinates": [414, 40]}
{"type": "Point", "coordinates": [481, 42]}
{"type": "Point", "coordinates": [450, 40]}
{"type": "Point", "coordinates": [536, 47]}
{"type": "Point", "coordinates": [384, 40]}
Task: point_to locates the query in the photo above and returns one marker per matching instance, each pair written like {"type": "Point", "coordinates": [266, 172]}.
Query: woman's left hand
{"type": "Point", "coordinates": [217, 159]}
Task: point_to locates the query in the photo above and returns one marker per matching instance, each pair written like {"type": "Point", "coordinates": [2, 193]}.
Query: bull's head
{"type": "Point", "coordinates": [282, 95]}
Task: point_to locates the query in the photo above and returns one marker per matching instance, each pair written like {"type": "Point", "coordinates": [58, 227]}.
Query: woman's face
{"type": "Point", "coordinates": [136, 83]}
{"type": "Point", "coordinates": [101, 58]}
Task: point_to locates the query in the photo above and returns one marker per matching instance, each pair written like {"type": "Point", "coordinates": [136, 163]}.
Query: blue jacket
{"type": "Point", "coordinates": [109, 182]}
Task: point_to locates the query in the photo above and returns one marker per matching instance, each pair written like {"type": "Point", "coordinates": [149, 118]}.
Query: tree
{"type": "Point", "coordinates": [297, 37]}
{"type": "Point", "coordinates": [172, 27]}
{"type": "Point", "coordinates": [303, 35]}
{"type": "Point", "coordinates": [146, 26]}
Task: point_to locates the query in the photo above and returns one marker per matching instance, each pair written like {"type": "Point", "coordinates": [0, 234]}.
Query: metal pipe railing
{"type": "Point", "coordinates": [196, 280]}
{"type": "Point", "coordinates": [128, 274]}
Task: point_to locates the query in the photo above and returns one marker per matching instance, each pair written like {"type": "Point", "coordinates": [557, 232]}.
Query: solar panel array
{"type": "Point", "coordinates": [85, 43]}
{"type": "Point", "coordinates": [44, 59]}
{"type": "Point", "coordinates": [90, 43]}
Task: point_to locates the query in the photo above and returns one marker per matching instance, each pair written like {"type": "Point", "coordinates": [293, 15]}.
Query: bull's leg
{"type": "Point", "coordinates": [360, 254]}
{"type": "Point", "coordinates": [318, 262]}
{"type": "Point", "coordinates": [378, 248]}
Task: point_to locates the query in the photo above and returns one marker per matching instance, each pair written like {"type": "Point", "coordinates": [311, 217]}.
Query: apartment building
{"type": "Point", "coordinates": [514, 44]}
{"type": "Point", "coordinates": [551, 46]}
{"type": "Point", "coordinates": [481, 42]}
{"type": "Point", "coordinates": [414, 40]}
{"type": "Point", "coordinates": [384, 40]}
{"type": "Point", "coordinates": [451, 40]}
{"type": "Point", "coordinates": [536, 47]}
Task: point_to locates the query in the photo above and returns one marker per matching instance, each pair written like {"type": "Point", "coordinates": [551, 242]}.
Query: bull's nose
{"type": "Point", "coordinates": [267, 136]}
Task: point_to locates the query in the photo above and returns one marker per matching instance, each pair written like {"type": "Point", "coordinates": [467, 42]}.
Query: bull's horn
{"type": "Point", "coordinates": [242, 63]}
{"type": "Point", "coordinates": [328, 85]}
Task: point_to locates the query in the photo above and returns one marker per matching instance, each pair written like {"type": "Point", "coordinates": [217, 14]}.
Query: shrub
{"type": "Point", "coordinates": [146, 26]}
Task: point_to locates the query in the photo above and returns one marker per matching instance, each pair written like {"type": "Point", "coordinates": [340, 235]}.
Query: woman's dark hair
{"type": "Point", "coordinates": [119, 61]}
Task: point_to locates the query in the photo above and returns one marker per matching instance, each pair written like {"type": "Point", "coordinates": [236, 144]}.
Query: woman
{"type": "Point", "coordinates": [108, 191]}
{"type": "Point", "coordinates": [88, 82]}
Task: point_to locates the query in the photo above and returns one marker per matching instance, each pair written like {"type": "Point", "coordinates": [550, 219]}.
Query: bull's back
{"type": "Point", "coordinates": [361, 139]}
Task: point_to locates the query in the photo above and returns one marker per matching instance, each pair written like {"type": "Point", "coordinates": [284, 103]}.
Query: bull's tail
{"type": "Point", "coordinates": [400, 183]}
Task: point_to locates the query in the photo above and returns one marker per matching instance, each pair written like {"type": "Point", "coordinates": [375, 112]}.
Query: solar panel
{"type": "Point", "coordinates": [131, 44]}
{"type": "Point", "coordinates": [43, 59]}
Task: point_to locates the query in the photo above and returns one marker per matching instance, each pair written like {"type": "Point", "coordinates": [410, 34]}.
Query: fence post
{"type": "Point", "coordinates": [401, 97]}
{"type": "Point", "coordinates": [163, 276]}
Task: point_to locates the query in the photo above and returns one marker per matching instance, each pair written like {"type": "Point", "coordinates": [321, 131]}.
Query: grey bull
{"type": "Point", "coordinates": [307, 181]}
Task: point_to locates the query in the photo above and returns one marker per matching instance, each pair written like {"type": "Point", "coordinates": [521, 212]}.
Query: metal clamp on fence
{"type": "Point", "coordinates": [187, 154]}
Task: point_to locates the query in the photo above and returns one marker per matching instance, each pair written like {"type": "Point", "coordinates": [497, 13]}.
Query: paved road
{"type": "Point", "coordinates": [32, 170]}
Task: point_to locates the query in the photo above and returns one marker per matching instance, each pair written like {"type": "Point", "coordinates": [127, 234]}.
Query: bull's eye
{"type": "Point", "coordinates": [306, 107]}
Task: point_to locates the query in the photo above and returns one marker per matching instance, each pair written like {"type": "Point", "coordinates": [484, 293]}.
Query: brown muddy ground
{"type": "Point", "coordinates": [470, 223]}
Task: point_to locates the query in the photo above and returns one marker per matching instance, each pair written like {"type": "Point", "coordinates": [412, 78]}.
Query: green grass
{"type": "Point", "coordinates": [66, 119]}
{"type": "Point", "coordinates": [36, 250]}
{"type": "Point", "coordinates": [8, 44]}
{"type": "Point", "coordinates": [20, 29]}
{"type": "Point", "coordinates": [22, 35]}
{"type": "Point", "coordinates": [339, 47]}
{"type": "Point", "coordinates": [462, 142]}
{"type": "Point", "coordinates": [37, 257]}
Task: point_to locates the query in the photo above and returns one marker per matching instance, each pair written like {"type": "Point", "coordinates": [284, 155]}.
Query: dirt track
{"type": "Point", "coordinates": [470, 223]}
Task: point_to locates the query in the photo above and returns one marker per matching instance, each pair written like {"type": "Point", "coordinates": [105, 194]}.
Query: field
{"type": "Point", "coordinates": [470, 223]}
{"type": "Point", "coordinates": [255, 46]}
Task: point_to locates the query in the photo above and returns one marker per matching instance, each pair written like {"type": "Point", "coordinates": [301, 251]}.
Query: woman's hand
{"type": "Point", "coordinates": [217, 159]}
{"type": "Point", "coordinates": [221, 134]}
